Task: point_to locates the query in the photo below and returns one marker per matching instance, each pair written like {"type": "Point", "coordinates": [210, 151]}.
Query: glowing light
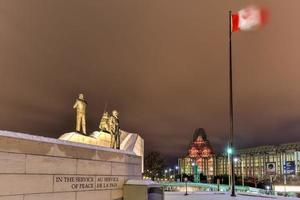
{"type": "Point", "coordinates": [229, 150]}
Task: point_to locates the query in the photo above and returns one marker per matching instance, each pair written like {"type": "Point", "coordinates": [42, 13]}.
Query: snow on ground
{"type": "Point", "coordinates": [221, 196]}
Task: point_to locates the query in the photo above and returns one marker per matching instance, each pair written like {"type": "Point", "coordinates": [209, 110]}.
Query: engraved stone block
{"type": "Point", "coordinates": [109, 182]}
{"type": "Point", "coordinates": [73, 183]}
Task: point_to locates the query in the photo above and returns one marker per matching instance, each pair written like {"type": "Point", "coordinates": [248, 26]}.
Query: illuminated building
{"type": "Point", "coordinates": [249, 162]}
{"type": "Point", "coordinates": [252, 162]}
{"type": "Point", "coordinates": [200, 156]}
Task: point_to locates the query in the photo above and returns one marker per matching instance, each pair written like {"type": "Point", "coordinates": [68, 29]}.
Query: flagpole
{"type": "Point", "coordinates": [231, 111]}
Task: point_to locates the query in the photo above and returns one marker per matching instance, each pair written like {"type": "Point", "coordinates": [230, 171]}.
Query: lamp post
{"type": "Point", "coordinates": [176, 169]}
{"type": "Point", "coordinates": [242, 165]}
{"type": "Point", "coordinates": [193, 170]}
{"type": "Point", "coordinates": [230, 166]}
{"type": "Point", "coordinates": [166, 174]}
{"type": "Point", "coordinates": [185, 180]}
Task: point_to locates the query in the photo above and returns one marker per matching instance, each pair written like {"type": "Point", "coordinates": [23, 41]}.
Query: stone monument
{"type": "Point", "coordinates": [40, 168]}
{"type": "Point", "coordinates": [73, 167]}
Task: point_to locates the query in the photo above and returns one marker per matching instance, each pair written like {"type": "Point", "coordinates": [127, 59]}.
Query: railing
{"type": "Point", "coordinates": [180, 186]}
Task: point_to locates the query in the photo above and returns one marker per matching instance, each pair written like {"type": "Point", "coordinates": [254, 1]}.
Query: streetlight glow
{"type": "Point", "coordinates": [229, 150]}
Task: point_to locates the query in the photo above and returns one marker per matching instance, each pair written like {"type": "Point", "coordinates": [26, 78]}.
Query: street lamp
{"type": "Point", "coordinates": [170, 170]}
{"type": "Point", "coordinates": [230, 153]}
{"type": "Point", "coordinates": [166, 171]}
{"type": "Point", "coordinates": [194, 171]}
{"type": "Point", "coordinates": [176, 169]}
{"type": "Point", "coordinates": [185, 180]}
{"type": "Point", "coordinates": [229, 150]}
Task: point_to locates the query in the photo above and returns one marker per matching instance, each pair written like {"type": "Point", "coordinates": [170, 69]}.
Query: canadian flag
{"type": "Point", "coordinates": [248, 19]}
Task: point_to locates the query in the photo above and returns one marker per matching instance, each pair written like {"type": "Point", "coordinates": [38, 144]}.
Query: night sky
{"type": "Point", "coordinates": [163, 64]}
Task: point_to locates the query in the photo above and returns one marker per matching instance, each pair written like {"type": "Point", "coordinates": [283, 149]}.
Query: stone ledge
{"type": "Point", "coordinates": [38, 145]}
{"type": "Point", "coordinates": [36, 138]}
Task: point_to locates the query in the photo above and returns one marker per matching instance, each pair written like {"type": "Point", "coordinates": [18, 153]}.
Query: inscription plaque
{"type": "Point", "coordinates": [109, 182]}
{"type": "Point", "coordinates": [83, 183]}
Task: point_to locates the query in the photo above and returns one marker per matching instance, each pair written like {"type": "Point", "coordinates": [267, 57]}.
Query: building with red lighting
{"type": "Point", "coordinates": [199, 157]}
{"type": "Point", "coordinates": [250, 162]}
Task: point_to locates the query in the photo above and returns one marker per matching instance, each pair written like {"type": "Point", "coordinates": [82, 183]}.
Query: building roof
{"type": "Point", "coordinates": [270, 148]}
{"type": "Point", "coordinates": [200, 146]}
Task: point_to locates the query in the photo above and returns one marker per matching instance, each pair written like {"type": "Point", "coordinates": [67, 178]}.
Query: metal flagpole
{"type": "Point", "coordinates": [231, 111]}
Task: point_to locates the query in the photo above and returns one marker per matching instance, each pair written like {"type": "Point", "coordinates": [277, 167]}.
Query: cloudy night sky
{"type": "Point", "coordinates": [163, 64]}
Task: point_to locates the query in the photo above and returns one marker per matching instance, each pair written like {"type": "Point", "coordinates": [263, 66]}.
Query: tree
{"type": "Point", "coordinates": [154, 165]}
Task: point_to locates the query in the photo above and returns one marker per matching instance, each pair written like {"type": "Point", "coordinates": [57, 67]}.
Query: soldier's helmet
{"type": "Point", "coordinates": [81, 97]}
{"type": "Point", "coordinates": [115, 114]}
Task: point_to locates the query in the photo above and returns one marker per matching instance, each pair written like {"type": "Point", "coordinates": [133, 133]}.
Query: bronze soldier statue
{"type": "Point", "coordinates": [103, 126]}
{"type": "Point", "coordinates": [80, 106]}
{"type": "Point", "coordinates": [114, 129]}
{"type": "Point", "coordinates": [115, 114]}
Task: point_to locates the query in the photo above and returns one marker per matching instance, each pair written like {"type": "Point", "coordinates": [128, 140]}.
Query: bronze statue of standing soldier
{"type": "Point", "coordinates": [80, 106]}
{"type": "Point", "coordinates": [114, 126]}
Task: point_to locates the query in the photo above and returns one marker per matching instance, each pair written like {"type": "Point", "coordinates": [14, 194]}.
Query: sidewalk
{"type": "Point", "coordinates": [221, 196]}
